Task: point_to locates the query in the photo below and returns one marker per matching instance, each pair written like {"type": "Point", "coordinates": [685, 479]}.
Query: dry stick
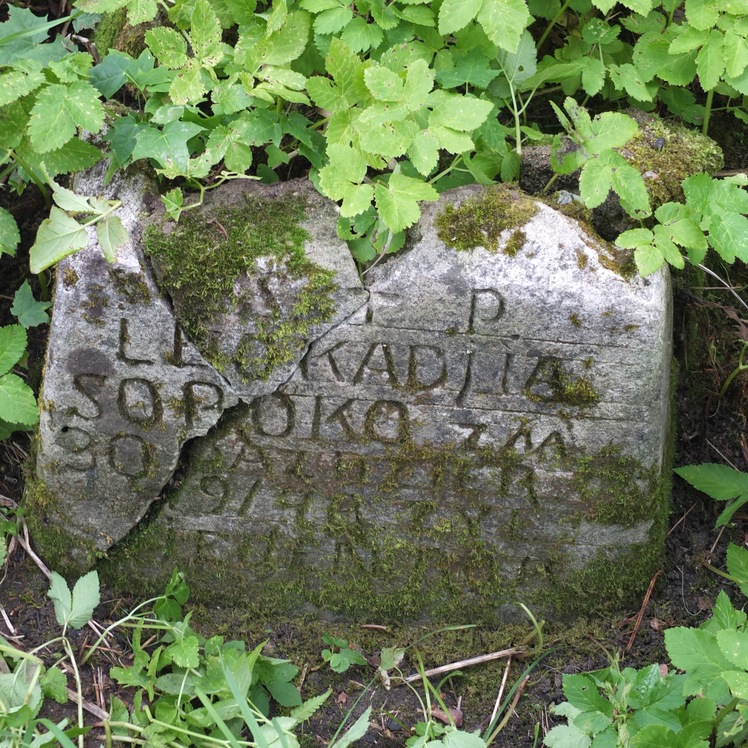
{"type": "Point", "coordinates": [640, 615]}
{"type": "Point", "coordinates": [714, 545]}
{"type": "Point", "coordinates": [501, 691]}
{"type": "Point", "coordinates": [88, 706]}
{"type": "Point", "coordinates": [465, 663]}
{"type": "Point", "coordinates": [722, 455]}
{"type": "Point", "coordinates": [744, 447]}
{"type": "Point", "coordinates": [672, 529]}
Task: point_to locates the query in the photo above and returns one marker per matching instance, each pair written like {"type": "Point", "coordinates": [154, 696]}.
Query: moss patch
{"type": "Point", "coordinates": [205, 263]}
{"type": "Point", "coordinates": [479, 221]}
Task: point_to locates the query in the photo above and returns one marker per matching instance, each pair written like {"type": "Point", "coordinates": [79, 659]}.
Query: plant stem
{"type": "Point", "coordinates": [550, 26]}
{"type": "Point", "coordinates": [708, 111]}
{"type": "Point", "coordinates": [78, 686]}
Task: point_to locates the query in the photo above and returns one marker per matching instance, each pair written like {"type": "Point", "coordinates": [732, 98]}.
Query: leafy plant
{"type": "Point", "coordinates": [340, 655]}
{"type": "Point", "coordinates": [714, 215]}
{"type": "Point", "coordinates": [722, 483]}
{"type": "Point", "coordinates": [17, 402]}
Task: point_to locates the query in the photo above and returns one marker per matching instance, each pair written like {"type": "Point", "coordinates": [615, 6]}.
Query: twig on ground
{"type": "Point", "coordinates": [672, 529]}
{"type": "Point", "coordinates": [640, 616]}
{"type": "Point", "coordinates": [465, 663]}
{"type": "Point", "coordinates": [714, 545]}
{"type": "Point", "coordinates": [88, 706]}
{"type": "Point", "coordinates": [723, 456]}
{"type": "Point", "coordinates": [501, 691]}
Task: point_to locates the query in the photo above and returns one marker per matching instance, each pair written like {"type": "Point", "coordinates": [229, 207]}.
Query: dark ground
{"type": "Point", "coordinates": [709, 429]}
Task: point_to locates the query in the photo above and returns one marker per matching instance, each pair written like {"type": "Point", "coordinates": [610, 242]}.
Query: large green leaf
{"type": "Point", "coordinates": [718, 481]}
{"type": "Point", "coordinates": [13, 342]}
{"type": "Point", "coordinates": [58, 236]}
{"type": "Point", "coordinates": [456, 14]}
{"type": "Point", "coordinates": [504, 21]}
{"type": "Point", "coordinates": [9, 234]}
{"type": "Point", "coordinates": [17, 403]}
{"type": "Point", "coordinates": [168, 146]}
{"type": "Point", "coordinates": [397, 202]}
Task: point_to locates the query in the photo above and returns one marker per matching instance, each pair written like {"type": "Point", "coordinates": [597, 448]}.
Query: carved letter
{"type": "Point", "coordinates": [89, 386]}
{"type": "Point", "coordinates": [388, 368]}
{"type": "Point", "coordinates": [427, 367]}
{"type": "Point", "coordinates": [139, 402]}
{"type": "Point", "coordinates": [274, 415]}
{"type": "Point", "coordinates": [201, 399]}
{"type": "Point", "coordinates": [329, 353]}
{"type": "Point", "coordinates": [486, 306]}
{"type": "Point", "coordinates": [77, 442]}
{"type": "Point", "coordinates": [387, 421]}
{"type": "Point", "coordinates": [130, 455]}
{"type": "Point", "coordinates": [124, 341]}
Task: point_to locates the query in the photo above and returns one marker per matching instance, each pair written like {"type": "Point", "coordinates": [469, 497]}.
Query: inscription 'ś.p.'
{"type": "Point", "coordinates": [472, 429]}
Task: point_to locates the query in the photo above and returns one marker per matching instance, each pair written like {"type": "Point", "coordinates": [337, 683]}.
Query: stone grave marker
{"type": "Point", "coordinates": [482, 420]}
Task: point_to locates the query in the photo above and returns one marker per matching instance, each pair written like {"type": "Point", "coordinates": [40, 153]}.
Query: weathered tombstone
{"type": "Point", "coordinates": [483, 420]}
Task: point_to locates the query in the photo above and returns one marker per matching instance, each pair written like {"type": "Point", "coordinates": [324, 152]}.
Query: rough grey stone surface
{"type": "Point", "coordinates": [441, 419]}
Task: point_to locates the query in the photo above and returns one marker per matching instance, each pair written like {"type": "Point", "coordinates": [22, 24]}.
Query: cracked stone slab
{"type": "Point", "coordinates": [470, 429]}
{"type": "Point", "coordinates": [124, 387]}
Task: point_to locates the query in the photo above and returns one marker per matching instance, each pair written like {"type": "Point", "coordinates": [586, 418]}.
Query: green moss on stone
{"type": "Point", "coordinates": [201, 260]}
{"type": "Point", "coordinates": [479, 221]}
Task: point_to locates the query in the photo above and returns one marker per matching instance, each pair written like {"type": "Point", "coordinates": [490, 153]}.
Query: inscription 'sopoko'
{"type": "Point", "coordinates": [447, 436]}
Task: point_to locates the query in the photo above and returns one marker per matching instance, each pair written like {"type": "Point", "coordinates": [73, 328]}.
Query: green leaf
{"type": "Point", "coordinates": [286, 694]}
{"type": "Point", "coordinates": [13, 342]}
{"type": "Point", "coordinates": [185, 652]}
{"type": "Point", "coordinates": [168, 146]}
{"type": "Point", "coordinates": [629, 185]}
{"type": "Point", "coordinates": [521, 64]}
{"type": "Point", "coordinates": [75, 155]}
{"type": "Point", "coordinates": [582, 693]}
{"type": "Point", "coordinates": [361, 36]}
{"type": "Point", "coordinates": [397, 202]}
{"type": "Point", "coordinates": [25, 77]}
{"type": "Point", "coordinates": [710, 61]}
{"type": "Point", "coordinates": [54, 685]}
{"type": "Point", "coordinates": [61, 597]}
{"type": "Point", "coordinates": [718, 481]}
{"type": "Point", "coordinates": [504, 21]}
{"type": "Point", "coordinates": [627, 78]}
{"type": "Point", "coordinates": [424, 152]}
{"type": "Point", "coordinates": [472, 68]}
{"type": "Point", "coordinates": [702, 14]}
{"type": "Point", "coordinates": [566, 736]}
{"type": "Point", "coordinates": [648, 259]}
{"type": "Point", "coordinates": [10, 236]}
{"type": "Point", "coordinates": [141, 11]}
{"type": "Point", "coordinates": [593, 75]}
{"type": "Point", "coordinates": [333, 21]}
{"type": "Point", "coordinates": [737, 682]}
{"type": "Point", "coordinates": [304, 711]}
{"type": "Point", "coordinates": [28, 310]}
{"type": "Point", "coordinates": [355, 732]}
{"type": "Point", "coordinates": [728, 235]}
{"type": "Point", "coordinates": [595, 182]}
{"type": "Point", "coordinates": [456, 14]}
{"type": "Point", "coordinates": [168, 46]}
{"type": "Point", "coordinates": [634, 238]}
{"type": "Point", "coordinates": [17, 402]}
{"type": "Point", "coordinates": [84, 601]}
{"type": "Point", "coordinates": [60, 110]}
{"type": "Point", "coordinates": [112, 235]}
{"type": "Point", "coordinates": [463, 113]}
{"type": "Point", "coordinates": [737, 565]}
{"type": "Point", "coordinates": [188, 86]}
{"type": "Point", "coordinates": [655, 736]}
{"type": "Point", "coordinates": [70, 201]}
{"type": "Point", "coordinates": [384, 84]}
{"type": "Point", "coordinates": [734, 646]}
{"type": "Point", "coordinates": [736, 53]}
{"type": "Point", "coordinates": [205, 34]}
{"type": "Point", "coordinates": [58, 236]}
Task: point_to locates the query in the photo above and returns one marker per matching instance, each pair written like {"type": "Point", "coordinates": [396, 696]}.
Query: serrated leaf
{"type": "Point", "coordinates": [112, 235]}
{"type": "Point", "coordinates": [185, 652]}
{"type": "Point", "coordinates": [595, 182]}
{"type": "Point", "coordinates": [168, 46]}
{"type": "Point", "coordinates": [521, 64]}
{"type": "Point", "coordinates": [188, 86]}
{"type": "Point", "coordinates": [10, 236]}
{"type": "Point", "coordinates": [710, 61]}
{"type": "Point", "coordinates": [504, 21]}
{"type": "Point", "coordinates": [110, 74]}
{"type": "Point", "coordinates": [728, 235]}
{"type": "Point", "coordinates": [702, 14]}
{"type": "Point", "coordinates": [168, 146]}
{"type": "Point", "coordinates": [13, 341]}
{"type": "Point", "coordinates": [451, 140]}
{"type": "Point", "coordinates": [456, 14]}
{"type": "Point", "coordinates": [28, 310]}
{"type": "Point", "coordinates": [424, 152]}
{"type": "Point", "coordinates": [718, 481]}
{"type": "Point", "coordinates": [582, 693]}
{"type": "Point", "coordinates": [205, 34]}
{"type": "Point", "coordinates": [629, 185]}
{"type": "Point", "coordinates": [648, 259]}
{"type": "Point", "coordinates": [566, 736]}
{"type": "Point", "coordinates": [736, 53]}
{"type": "Point", "coordinates": [54, 685]}
{"type": "Point", "coordinates": [473, 68]}
{"type": "Point", "coordinates": [333, 21]}
{"type": "Point", "coordinates": [634, 238]}
{"type": "Point", "coordinates": [84, 600]}
{"type": "Point", "coordinates": [384, 84]}
{"type": "Point", "coordinates": [361, 36]}
{"type": "Point", "coordinates": [141, 11]}
{"type": "Point", "coordinates": [286, 694]}
{"type": "Point", "coordinates": [304, 711]}
{"type": "Point", "coordinates": [356, 200]}
{"type": "Point", "coordinates": [734, 646]}
{"type": "Point", "coordinates": [60, 595]}
{"type": "Point", "coordinates": [397, 202]}
{"type": "Point", "coordinates": [25, 77]}
{"type": "Point", "coordinates": [355, 732]}
{"type": "Point", "coordinates": [58, 236]}
{"type": "Point", "coordinates": [463, 113]}
{"type": "Point", "coordinates": [75, 155]}
{"type": "Point", "coordinates": [737, 681]}
{"type": "Point", "coordinates": [593, 75]}
{"type": "Point", "coordinates": [627, 78]}
{"type": "Point", "coordinates": [70, 201]}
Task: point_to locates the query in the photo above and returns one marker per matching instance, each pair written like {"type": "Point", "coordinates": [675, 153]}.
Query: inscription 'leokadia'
{"type": "Point", "coordinates": [463, 431]}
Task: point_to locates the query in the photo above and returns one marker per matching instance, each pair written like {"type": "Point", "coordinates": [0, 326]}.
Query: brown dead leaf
{"type": "Point", "coordinates": [656, 624]}
{"type": "Point", "coordinates": [342, 698]}
{"type": "Point", "coordinates": [663, 670]}
{"type": "Point", "coordinates": [454, 716]}
{"type": "Point", "coordinates": [703, 603]}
